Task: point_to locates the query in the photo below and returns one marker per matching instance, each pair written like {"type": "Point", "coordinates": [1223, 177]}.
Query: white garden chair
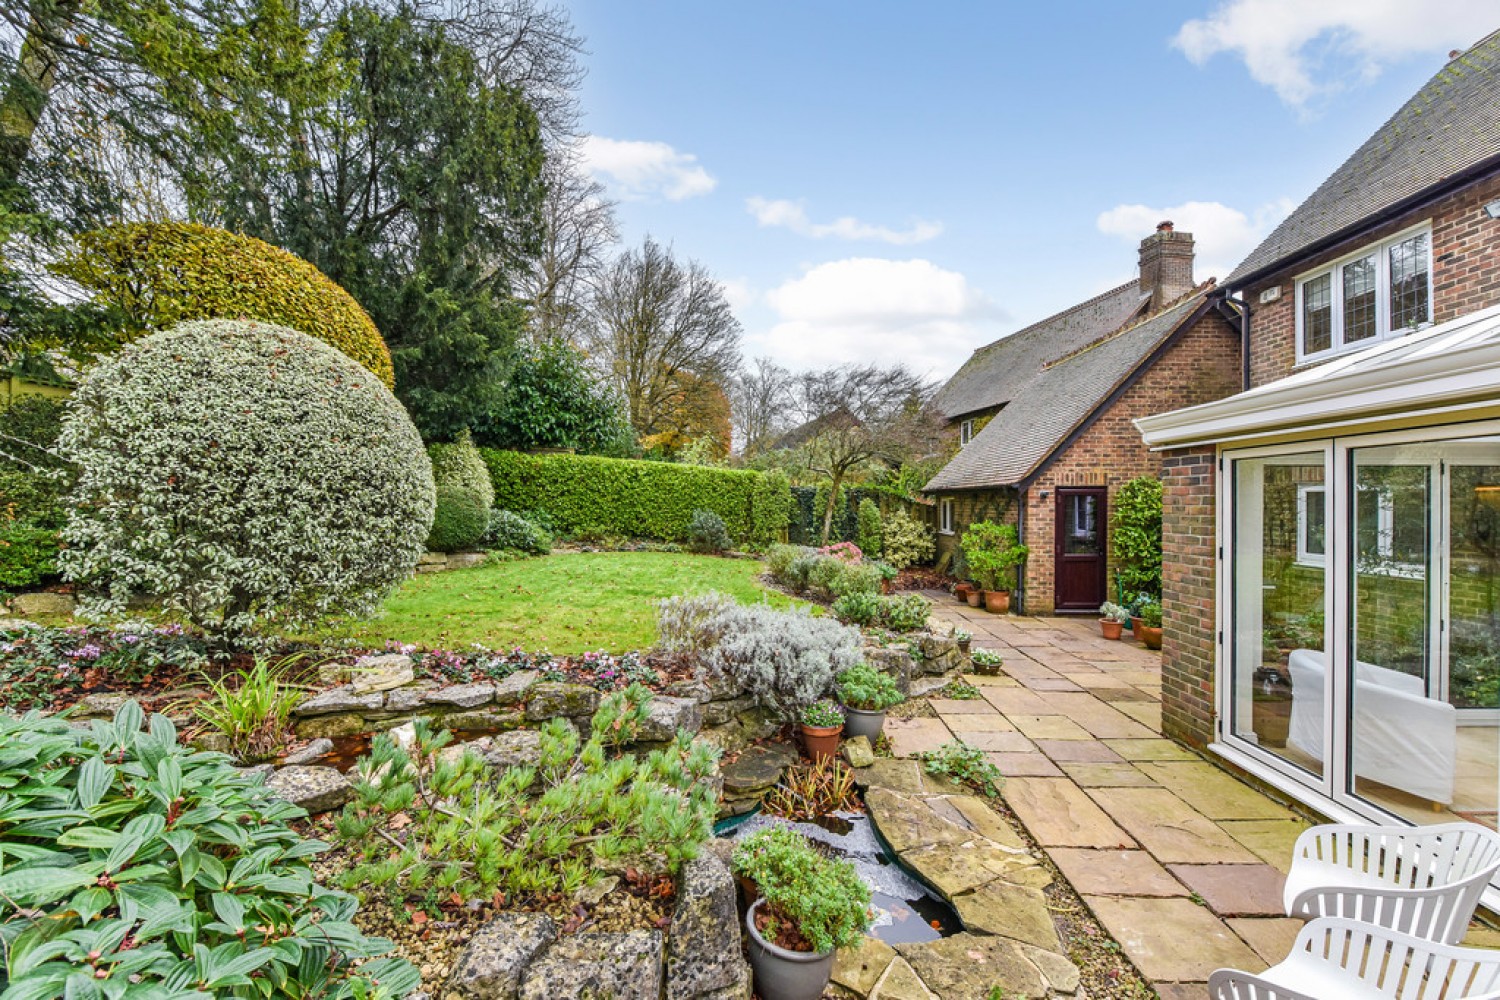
{"type": "Point", "coordinates": [1339, 959]}
{"type": "Point", "coordinates": [1424, 881]}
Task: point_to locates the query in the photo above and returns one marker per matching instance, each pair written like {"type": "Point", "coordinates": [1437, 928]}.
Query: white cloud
{"type": "Point", "coordinates": [633, 170]}
{"type": "Point", "coordinates": [1222, 235]}
{"type": "Point", "coordinates": [791, 215]}
{"type": "Point", "coordinates": [738, 292]}
{"type": "Point", "coordinates": [1299, 47]}
{"type": "Point", "coordinates": [872, 309]}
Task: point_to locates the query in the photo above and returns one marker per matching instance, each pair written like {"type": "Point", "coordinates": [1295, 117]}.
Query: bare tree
{"type": "Point", "coordinates": [578, 226]}
{"type": "Point", "coordinates": [663, 332]}
{"type": "Point", "coordinates": [861, 413]}
{"type": "Point", "coordinates": [762, 399]}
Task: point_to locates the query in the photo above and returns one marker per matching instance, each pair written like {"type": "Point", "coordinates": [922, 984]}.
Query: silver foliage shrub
{"type": "Point", "coordinates": [687, 625]}
{"type": "Point", "coordinates": [247, 474]}
{"type": "Point", "coordinates": [785, 659]}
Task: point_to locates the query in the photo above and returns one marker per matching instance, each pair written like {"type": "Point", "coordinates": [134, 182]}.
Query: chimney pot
{"type": "Point", "coordinates": [1164, 227]}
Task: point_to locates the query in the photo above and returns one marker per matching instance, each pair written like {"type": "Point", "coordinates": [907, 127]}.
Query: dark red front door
{"type": "Point", "coordinates": [1080, 573]}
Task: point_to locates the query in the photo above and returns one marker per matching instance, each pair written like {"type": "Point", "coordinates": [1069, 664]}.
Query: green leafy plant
{"type": "Point", "coordinates": [960, 690]}
{"type": "Point", "coordinates": [785, 660]}
{"type": "Point", "coordinates": [254, 709]}
{"type": "Point", "coordinates": [1150, 614]}
{"type": "Point", "coordinates": [907, 613]}
{"type": "Point", "coordinates": [528, 831]}
{"type": "Point", "coordinates": [907, 541]}
{"type": "Point", "coordinates": [823, 714]}
{"type": "Point", "coordinates": [993, 551]}
{"type": "Point", "coordinates": [824, 899]}
{"type": "Point", "coordinates": [134, 867]}
{"type": "Point", "coordinates": [966, 764]}
{"type": "Point", "coordinates": [512, 532]}
{"type": "Point", "coordinates": [706, 533]}
{"type": "Point", "coordinates": [864, 687]}
{"type": "Point", "coordinates": [1110, 611]}
{"type": "Point", "coordinates": [959, 635]}
{"type": "Point", "coordinates": [870, 532]}
{"type": "Point", "coordinates": [858, 609]}
{"type": "Point", "coordinates": [1135, 534]}
{"type": "Point", "coordinates": [465, 495]}
{"type": "Point", "coordinates": [552, 400]}
{"type": "Point", "coordinates": [986, 657]}
{"type": "Point", "coordinates": [809, 791]}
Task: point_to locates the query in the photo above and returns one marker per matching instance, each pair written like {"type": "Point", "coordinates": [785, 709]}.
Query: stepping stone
{"type": "Point", "coordinates": [1236, 890]}
{"type": "Point", "coordinates": [1271, 937]}
{"type": "Point", "coordinates": [903, 776]}
{"type": "Point", "coordinates": [1114, 873]}
{"type": "Point", "coordinates": [860, 968]}
{"type": "Point", "coordinates": [1049, 684]}
{"type": "Point", "coordinates": [906, 823]}
{"type": "Point", "coordinates": [1213, 792]}
{"type": "Point", "coordinates": [756, 770]}
{"type": "Point", "coordinates": [1145, 711]}
{"type": "Point", "coordinates": [1272, 840]}
{"type": "Point", "coordinates": [976, 814]}
{"type": "Point", "coordinates": [965, 707]}
{"type": "Point", "coordinates": [1060, 973]}
{"type": "Point", "coordinates": [1013, 911]}
{"type": "Point", "coordinates": [1057, 813]}
{"type": "Point", "coordinates": [1108, 775]}
{"type": "Point", "coordinates": [901, 983]}
{"type": "Point", "coordinates": [1172, 940]}
{"type": "Point", "coordinates": [1150, 749]}
{"type": "Point", "coordinates": [992, 723]}
{"type": "Point", "coordinates": [910, 737]}
{"type": "Point", "coordinates": [1024, 765]}
{"type": "Point", "coordinates": [999, 742]}
{"type": "Point", "coordinates": [1168, 827]}
{"type": "Point", "coordinates": [1015, 701]}
{"type": "Point", "coordinates": [1101, 682]}
{"type": "Point", "coordinates": [1049, 727]}
{"type": "Point", "coordinates": [951, 869]}
{"type": "Point", "coordinates": [970, 965]}
{"type": "Point", "coordinates": [1078, 752]}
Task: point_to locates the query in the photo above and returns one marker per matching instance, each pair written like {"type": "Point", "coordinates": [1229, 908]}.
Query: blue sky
{"type": "Point", "coordinates": [907, 181]}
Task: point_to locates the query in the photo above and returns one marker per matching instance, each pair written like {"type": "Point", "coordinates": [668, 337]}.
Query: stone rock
{"type": "Point", "coordinates": [100, 705]}
{"type": "Point", "coordinates": [465, 560]}
{"type": "Point", "coordinates": [980, 818]}
{"type": "Point", "coordinates": [903, 776]}
{"type": "Point", "coordinates": [756, 770]}
{"type": "Point", "coordinates": [703, 947]}
{"type": "Point", "coordinates": [590, 895]}
{"type": "Point", "coordinates": [666, 715]}
{"type": "Point", "coordinates": [316, 789]}
{"type": "Point", "coordinates": [332, 674]}
{"type": "Point", "coordinates": [759, 724]}
{"type": "Point", "coordinates": [432, 567]}
{"type": "Point", "coordinates": [494, 962]}
{"type": "Point", "coordinates": [405, 735]}
{"type": "Point", "coordinates": [1014, 911]}
{"type": "Point", "coordinates": [212, 741]}
{"type": "Point", "coordinates": [1061, 974]}
{"type": "Point", "coordinates": [901, 983]}
{"type": "Point", "coordinates": [32, 605]}
{"type": "Point", "coordinates": [716, 713]}
{"type": "Point", "coordinates": [497, 722]}
{"type": "Point", "coordinates": [514, 688]}
{"type": "Point", "coordinates": [342, 700]}
{"type": "Point", "coordinates": [550, 700]}
{"type": "Point", "coordinates": [310, 753]}
{"type": "Point", "coordinates": [521, 748]}
{"type": "Point", "coordinates": [380, 673]}
{"type": "Point", "coordinates": [729, 737]}
{"type": "Point", "coordinates": [970, 965]}
{"type": "Point", "coordinates": [860, 968]}
{"type": "Point", "coordinates": [721, 687]}
{"type": "Point", "coordinates": [906, 823]}
{"type": "Point", "coordinates": [598, 966]}
{"type": "Point", "coordinates": [895, 661]}
{"type": "Point", "coordinates": [739, 991]}
{"type": "Point", "coordinates": [462, 695]}
{"type": "Point", "coordinates": [330, 726]}
{"type": "Point", "coordinates": [406, 699]}
{"type": "Point", "coordinates": [15, 624]}
{"type": "Point", "coordinates": [694, 689]}
{"type": "Point", "coordinates": [433, 559]}
{"type": "Point", "coordinates": [858, 752]}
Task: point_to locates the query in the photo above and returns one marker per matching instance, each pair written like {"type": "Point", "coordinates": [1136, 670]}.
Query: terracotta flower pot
{"type": "Point", "coordinates": [822, 742]}
{"type": "Point", "coordinates": [975, 598]}
{"type": "Point", "coordinates": [786, 975]}
{"type": "Point", "coordinates": [962, 592]}
{"type": "Point", "coordinates": [1135, 626]}
{"type": "Point", "coordinates": [997, 601]}
{"type": "Point", "coordinates": [1111, 628]}
{"type": "Point", "coordinates": [1150, 635]}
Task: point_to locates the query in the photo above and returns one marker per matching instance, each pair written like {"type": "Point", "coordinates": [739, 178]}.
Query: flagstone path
{"type": "Point", "coordinates": [1181, 861]}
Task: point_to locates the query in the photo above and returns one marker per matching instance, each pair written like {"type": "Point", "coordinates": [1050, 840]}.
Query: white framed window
{"type": "Point", "coordinates": [965, 432]}
{"type": "Point", "coordinates": [945, 516]}
{"type": "Point", "coordinates": [1383, 291]}
{"type": "Point", "coordinates": [1312, 524]}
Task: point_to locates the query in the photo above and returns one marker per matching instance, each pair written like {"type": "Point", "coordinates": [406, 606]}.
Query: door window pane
{"type": "Point", "coordinates": [1359, 300]}
{"type": "Point", "coordinates": [1081, 536]}
{"type": "Point", "coordinates": [1279, 677]}
{"type": "Point", "coordinates": [1409, 292]}
{"type": "Point", "coordinates": [1317, 314]}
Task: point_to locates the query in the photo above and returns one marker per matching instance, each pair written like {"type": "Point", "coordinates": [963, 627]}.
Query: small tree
{"type": "Point", "coordinates": [1135, 535]}
{"type": "Point", "coordinates": [993, 551]}
{"type": "Point", "coordinates": [871, 536]}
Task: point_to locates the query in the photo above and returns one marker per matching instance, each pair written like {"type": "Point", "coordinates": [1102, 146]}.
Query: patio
{"type": "Point", "coordinates": [1181, 861]}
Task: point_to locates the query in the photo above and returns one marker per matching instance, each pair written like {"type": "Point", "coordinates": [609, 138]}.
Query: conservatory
{"type": "Point", "coordinates": [1358, 589]}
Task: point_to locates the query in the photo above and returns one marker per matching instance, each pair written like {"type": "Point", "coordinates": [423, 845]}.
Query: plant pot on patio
{"type": "Point", "coordinates": [859, 722]}
{"type": "Point", "coordinates": [963, 646]}
{"type": "Point", "coordinates": [822, 722]}
{"type": "Point", "coordinates": [1135, 625]}
{"type": "Point", "coordinates": [1150, 635]}
{"type": "Point", "coordinates": [962, 592]}
{"type": "Point", "coordinates": [1110, 628]}
{"type": "Point", "coordinates": [997, 601]}
{"type": "Point", "coordinates": [975, 598]}
{"type": "Point", "coordinates": [781, 974]}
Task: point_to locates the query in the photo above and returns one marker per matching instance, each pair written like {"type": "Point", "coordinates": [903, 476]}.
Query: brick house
{"type": "Point", "coordinates": [1043, 419]}
{"type": "Point", "coordinates": [1332, 533]}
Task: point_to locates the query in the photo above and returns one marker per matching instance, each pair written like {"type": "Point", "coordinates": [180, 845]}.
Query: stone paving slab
{"type": "Point", "coordinates": [1150, 749]}
{"type": "Point", "coordinates": [1270, 937]}
{"type": "Point", "coordinates": [994, 723]}
{"type": "Point", "coordinates": [1024, 765]}
{"type": "Point", "coordinates": [1147, 713]}
{"type": "Point", "coordinates": [910, 737]}
{"type": "Point", "coordinates": [1172, 940]}
{"type": "Point", "coordinates": [1049, 727]}
{"type": "Point", "coordinates": [1213, 792]}
{"type": "Point", "coordinates": [1235, 890]}
{"type": "Point", "coordinates": [1015, 701]}
{"type": "Point", "coordinates": [1168, 827]}
{"type": "Point", "coordinates": [1078, 752]}
{"type": "Point", "coordinates": [1271, 839]}
{"type": "Point", "coordinates": [1115, 873]}
{"type": "Point", "coordinates": [1011, 742]}
{"type": "Point", "coordinates": [1058, 814]}
{"type": "Point", "coordinates": [1049, 684]}
{"type": "Point", "coordinates": [970, 706]}
{"type": "Point", "coordinates": [1108, 776]}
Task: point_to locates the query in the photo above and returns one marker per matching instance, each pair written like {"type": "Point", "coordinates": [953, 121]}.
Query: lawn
{"type": "Point", "coordinates": [566, 603]}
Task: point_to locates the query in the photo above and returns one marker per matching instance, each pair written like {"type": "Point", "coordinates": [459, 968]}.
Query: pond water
{"type": "Point", "coordinates": [905, 909]}
{"type": "Point", "coordinates": [347, 750]}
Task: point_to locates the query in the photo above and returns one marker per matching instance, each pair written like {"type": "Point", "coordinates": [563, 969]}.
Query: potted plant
{"type": "Point", "coordinates": [963, 639]}
{"type": "Point", "coordinates": [993, 552]}
{"type": "Point", "coordinates": [987, 662]}
{"type": "Point", "coordinates": [962, 591]}
{"type": "Point", "coordinates": [975, 598]}
{"type": "Point", "coordinates": [1112, 619]}
{"type": "Point", "coordinates": [1148, 625]}
{"type": "Point", "coordinates": [822, 721]}
{"type": "Point", "coordinates": [809, 906]}
{"type": "Point", "coordinates": [866, 693]}
{"type": "Point", "coordinates": [887, 575]}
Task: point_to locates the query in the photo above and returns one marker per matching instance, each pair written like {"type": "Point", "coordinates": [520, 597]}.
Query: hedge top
{"type": "Point", "coordinates": [162, 273]}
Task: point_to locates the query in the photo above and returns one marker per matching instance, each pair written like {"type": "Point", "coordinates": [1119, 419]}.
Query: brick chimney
{"type": "Point", "coordinates": [1166, 265]}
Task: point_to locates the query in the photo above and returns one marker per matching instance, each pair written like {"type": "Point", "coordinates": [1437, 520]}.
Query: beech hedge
{"type": "Point", "coordinates": [640, 499]}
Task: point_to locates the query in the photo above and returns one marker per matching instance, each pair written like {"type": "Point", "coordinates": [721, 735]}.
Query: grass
{"type": "Point", "coordinates": [566, 603]}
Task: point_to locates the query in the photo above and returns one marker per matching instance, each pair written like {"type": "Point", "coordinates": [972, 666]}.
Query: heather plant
{"type": "Point", "coordinates": [823, 898]}
{"type": "Point", "coordinates": [247, 475]}
{"type": "Point", "coordinates": [846, 552]}
{"type": "Point", "coordinates": [822, 714]}
{"type": "Point", "coordinates": [864, 687]}
{"type": "Point", "coordinates": [526, 831]}
{"type": "Point", "coordinates": [870, 533]}
{"type": "Point", "coordinates": [907, 541]}
{"type": "Point", "coordinates": [41, 665]}
{"type": "Point", "coordinates": [786, 660]}
{"type": "Point", "coordinates": [706, 533]}
{"type": "Point", "coordinates": [135, 867]}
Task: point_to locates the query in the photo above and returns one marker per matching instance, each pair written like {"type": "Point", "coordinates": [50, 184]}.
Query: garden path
{"type": "Point", "coordinates": [1182, 862]}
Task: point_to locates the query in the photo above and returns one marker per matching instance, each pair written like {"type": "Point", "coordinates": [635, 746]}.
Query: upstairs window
{"type": "Point", "coordinates": [965, 432]}
{"type": "Point", "coordinates": [1382, 291]}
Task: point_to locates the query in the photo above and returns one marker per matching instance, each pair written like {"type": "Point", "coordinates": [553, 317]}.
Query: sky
{"type": "Point", "coordinates": [884, 181]}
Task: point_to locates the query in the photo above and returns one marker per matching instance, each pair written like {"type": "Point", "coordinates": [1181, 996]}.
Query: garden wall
{"type": "Point", "coordinates": [639, 499]}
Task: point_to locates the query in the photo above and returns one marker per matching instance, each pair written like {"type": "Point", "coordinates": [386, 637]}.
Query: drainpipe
{"type": "Point", "coordinates": [1021, 499]}
{"type": "Point", "coordinates": [1226, 309]}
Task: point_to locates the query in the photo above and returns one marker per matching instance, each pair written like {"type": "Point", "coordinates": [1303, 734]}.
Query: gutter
{"type": "Point", "coordinates": [1450, 185]}
{"type": "Point", "coordinates": [1237, 312]}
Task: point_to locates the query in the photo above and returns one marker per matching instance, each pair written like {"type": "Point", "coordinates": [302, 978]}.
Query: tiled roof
{"type": "Point", "coordinates": [994, 373]}
{"type": "Point", "coordinates": [1451, 125]}
{"type": "Point", "coordinates": [1053, 399]}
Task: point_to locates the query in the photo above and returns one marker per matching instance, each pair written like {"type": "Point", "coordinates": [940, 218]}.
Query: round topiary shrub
{"type": "Point", "coordinates": [159, 274]}
{"type": "Point", "coordinates": [245, 473]}
{"type": "Point", "coordinates": [460, 466]}
{"type": "Point", "coordinates": [459, 522]}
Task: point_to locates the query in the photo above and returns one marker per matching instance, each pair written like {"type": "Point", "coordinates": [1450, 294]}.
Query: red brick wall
{"type": "Point", "coordinates": [1188, 581]}
{"type": "Point", "coordinates": [1465, 275]}
{"type": "Point", "coordinates": [1202, 366]}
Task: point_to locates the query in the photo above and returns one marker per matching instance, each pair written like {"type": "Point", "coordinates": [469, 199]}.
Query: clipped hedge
{"type": "Point", "coordinates": [639, 499]}
{"type": "Point", "coordinates": [159, 274]}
